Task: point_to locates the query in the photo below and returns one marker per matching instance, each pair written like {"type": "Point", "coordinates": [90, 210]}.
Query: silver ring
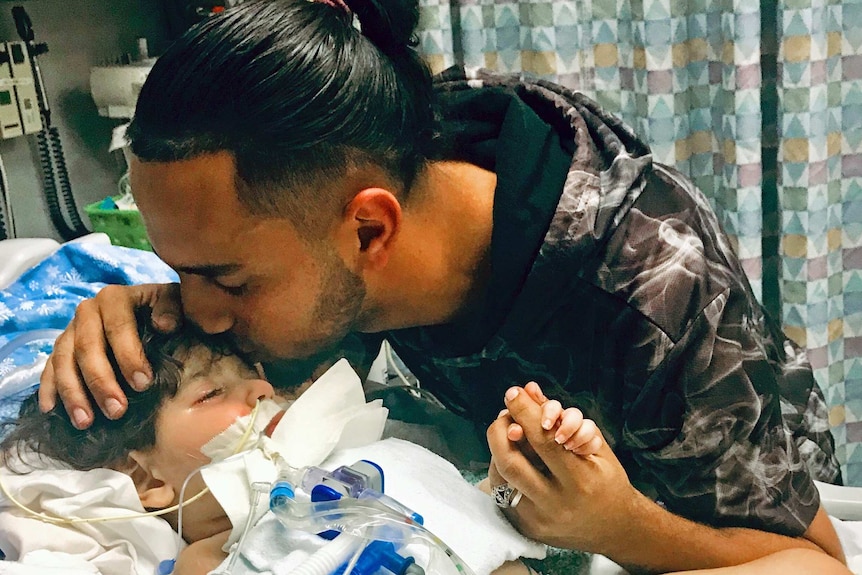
{"type": "Point", "coordinates": [505, 496]}
{"type": "Point", "coordinates": [515, 499]}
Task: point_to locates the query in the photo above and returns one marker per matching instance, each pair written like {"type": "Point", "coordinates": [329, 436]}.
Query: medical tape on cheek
{"type": "Point", "coordinates": [228, 442]}
{"type": "Point", "coordinates": [240, 457]}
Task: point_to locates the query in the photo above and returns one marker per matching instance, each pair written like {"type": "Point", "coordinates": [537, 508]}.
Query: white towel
{"type": "Point", "coordinates": [455, 511]}
{"type": "Point", "coordinates": [114, 548]}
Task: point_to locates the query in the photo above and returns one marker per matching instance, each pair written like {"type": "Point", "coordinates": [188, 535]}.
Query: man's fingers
{"type": "Point", "coordinates": [71, 390]}
{"type": "Point", "coordinates": [167, 307]}
{"type": "Point", "coordinates": [102, 325]}
{"type": "Point", "coordinates": [88, 367]}
{"type": "Point", "coordinates": [117, 306]}
{"type": "Point", "coordinates": [118, 331]}
{"type": "Point", "coordinates": [511, 464]}
{"type": "Point", "coordinates": [47, 391]}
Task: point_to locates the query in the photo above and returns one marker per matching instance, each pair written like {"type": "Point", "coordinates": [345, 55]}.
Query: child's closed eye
{"type": "Point", "coordinates": [210, 394]}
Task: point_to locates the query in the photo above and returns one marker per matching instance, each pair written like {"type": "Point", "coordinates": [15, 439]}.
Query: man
{"type": "Point", "coordinates": [306, 184]}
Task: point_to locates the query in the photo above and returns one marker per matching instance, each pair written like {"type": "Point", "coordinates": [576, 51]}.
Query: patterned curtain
{"type": "Point", "coordinates": [759, 104]}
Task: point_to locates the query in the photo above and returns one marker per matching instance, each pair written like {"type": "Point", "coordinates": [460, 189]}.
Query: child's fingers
{"type": "Point", "coordinates": [589, 448]}
{"type": "Point", "coordinates": [583, 435]}
{"type": "Point", "coordinates": [551, 412]}
{"type": "Point", "coordinates": [570, 422]}
{"type": "Point", "coordinates": [535, 391]}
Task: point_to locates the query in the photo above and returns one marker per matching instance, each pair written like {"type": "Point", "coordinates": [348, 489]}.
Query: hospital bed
{"type": "Point", "coordinates": [41, 283]}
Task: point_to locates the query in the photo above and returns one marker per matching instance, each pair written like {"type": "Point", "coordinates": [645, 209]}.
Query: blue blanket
{"type": "Point", "coordinates": [42, 302]}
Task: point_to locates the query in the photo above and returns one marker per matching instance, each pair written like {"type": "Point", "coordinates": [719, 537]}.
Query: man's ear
{"type": "Point", "coordinates": [372, 221]}
{"type": "Point", "coordinates": [154, 492]}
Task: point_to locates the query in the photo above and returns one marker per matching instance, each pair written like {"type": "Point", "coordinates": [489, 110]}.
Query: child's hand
{"type": "Point", "coordinates": [575, 433]}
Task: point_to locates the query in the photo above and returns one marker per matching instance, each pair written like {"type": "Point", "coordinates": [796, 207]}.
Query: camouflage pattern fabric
{"type": "Point", "coordinates": [634, 307]}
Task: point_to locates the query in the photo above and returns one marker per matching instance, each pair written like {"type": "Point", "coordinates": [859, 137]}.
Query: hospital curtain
{"type": "Point", "coordinates": [759, 104]}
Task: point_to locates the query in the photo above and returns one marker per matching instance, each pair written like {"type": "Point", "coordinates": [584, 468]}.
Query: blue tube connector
{"type": "Point", "coordinates": [379, 554]}
{"type": "Point", "coordinates": [279, 494]}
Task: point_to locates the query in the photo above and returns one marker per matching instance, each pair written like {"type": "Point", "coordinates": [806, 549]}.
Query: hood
{"type": "Point", "coordinates": [608, 159]}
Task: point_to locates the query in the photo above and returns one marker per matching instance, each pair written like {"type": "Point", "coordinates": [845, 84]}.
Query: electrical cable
{"type": "Point", "coordinates": [49, 145]}
{"type": "Point", "coordinates": [412, 387]}
{"type": "Point", "coordinates": [49, 187]}
{"type": "Point", "coordinates": [62, 172]}
{"type": "Point", "coordinates": [7, 218]}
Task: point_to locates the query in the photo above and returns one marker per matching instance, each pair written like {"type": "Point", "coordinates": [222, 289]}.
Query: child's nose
{"type": "Point", "coordinates": [259, 389]}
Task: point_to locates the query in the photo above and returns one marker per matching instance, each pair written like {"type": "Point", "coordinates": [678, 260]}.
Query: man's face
{"type": "Point", "coordinates": [251, 276]}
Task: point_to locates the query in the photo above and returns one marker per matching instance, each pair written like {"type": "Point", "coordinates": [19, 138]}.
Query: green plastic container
{"type": "Point", "coordinates": [124, 227]}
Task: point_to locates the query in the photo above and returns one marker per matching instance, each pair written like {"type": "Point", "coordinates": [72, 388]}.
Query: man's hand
{"type": "Point", "coordinates": [80, 358]}
{"type": "Point", "coordinates": [572, 501]}
{"type": "Point", "coordinates": [588, 503]}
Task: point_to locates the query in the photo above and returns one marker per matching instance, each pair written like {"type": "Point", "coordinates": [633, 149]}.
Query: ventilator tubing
{"type": "Point", "coordinates": [366, 519]}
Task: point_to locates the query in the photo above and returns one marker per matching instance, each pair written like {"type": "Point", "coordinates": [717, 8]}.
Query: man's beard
{"type": "Point", "coordinates": [340, 303]}
{"type": "Point", "coordinates": [337, 312]}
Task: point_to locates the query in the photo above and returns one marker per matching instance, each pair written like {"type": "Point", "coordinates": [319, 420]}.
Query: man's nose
{"type": "Point", "coordinates": [206, 305]}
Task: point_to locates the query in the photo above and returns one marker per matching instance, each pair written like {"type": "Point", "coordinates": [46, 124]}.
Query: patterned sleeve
{"type": "Point", "coordinates": [703, 420]}
{"type": "Point", "coordinates": [720, 451]}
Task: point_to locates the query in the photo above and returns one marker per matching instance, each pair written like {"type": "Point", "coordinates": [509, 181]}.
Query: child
{"type": "Point", "coordinates": [201, 386]}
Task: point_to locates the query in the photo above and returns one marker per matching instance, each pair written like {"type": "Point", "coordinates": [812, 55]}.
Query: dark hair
{"type": "Point", "coordinates": [297, 95]}
{"type": "Point", "coordinates": [107, 443]}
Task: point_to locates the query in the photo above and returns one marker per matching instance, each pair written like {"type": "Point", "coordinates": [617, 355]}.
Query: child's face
{"type": "Point", "coordinates": [213, 393]}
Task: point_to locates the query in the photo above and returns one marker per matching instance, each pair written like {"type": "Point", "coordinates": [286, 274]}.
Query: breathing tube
{"type": "Point", "coordinates": [23, 339]}
{"type": "Point", "coordinates": [53, 163]}
{"type": "Point", "coordinates": [7, 220]}
{"type": "Point", "coordinates": [354, 509]}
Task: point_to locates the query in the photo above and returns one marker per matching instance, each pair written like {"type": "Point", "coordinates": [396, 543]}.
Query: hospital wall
{"type": "Point", "coordinates": [79, 34]}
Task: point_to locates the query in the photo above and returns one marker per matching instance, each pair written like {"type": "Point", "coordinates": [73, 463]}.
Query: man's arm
{"type": "Point", "coordinates": [654, 540]}
{"type": "Point", "coordinates": [588, 503]}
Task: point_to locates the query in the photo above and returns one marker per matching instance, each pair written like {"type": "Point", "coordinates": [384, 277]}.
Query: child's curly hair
{"type": "Point", "coordinates": [107, 443]}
